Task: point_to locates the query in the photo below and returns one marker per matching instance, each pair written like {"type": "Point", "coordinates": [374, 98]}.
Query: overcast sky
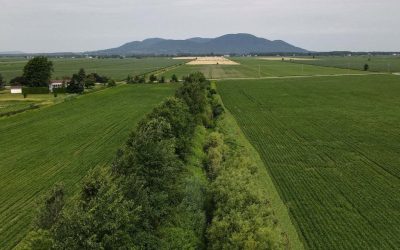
{"type": "Point", "coordinates": [81, 25]}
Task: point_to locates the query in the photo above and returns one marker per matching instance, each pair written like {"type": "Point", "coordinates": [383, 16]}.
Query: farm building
{"type": "Point", "coordinates": [16, 89]}
{"type": "Point", "coordinates": [56, 84]}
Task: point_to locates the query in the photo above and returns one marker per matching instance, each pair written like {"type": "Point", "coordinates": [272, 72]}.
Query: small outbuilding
{"type": "Point", "coordinates": [56, 84]}
{"type": "Point", "coordinates": [16, 89]}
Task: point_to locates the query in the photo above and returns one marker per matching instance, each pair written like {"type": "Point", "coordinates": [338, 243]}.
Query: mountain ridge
{"type": "Point", "coordinates": [240, 43]}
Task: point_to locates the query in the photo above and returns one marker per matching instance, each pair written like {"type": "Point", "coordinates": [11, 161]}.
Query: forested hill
{"type": "Point", "coordinates": [227, 44]}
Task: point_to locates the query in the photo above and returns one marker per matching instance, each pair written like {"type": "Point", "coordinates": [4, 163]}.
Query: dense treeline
{"type": "Point", "coordinates": [176, 184]}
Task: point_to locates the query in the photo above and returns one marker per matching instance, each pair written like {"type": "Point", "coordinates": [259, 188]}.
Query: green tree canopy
{"type": "Point", "coordinates": [77, 83]}
{"type": "Point", "coordinates": [37, 72]}
{"type": "Point", "coordinates": [152, 78]}
{"type": "Point", "coordinates": [174, 78]}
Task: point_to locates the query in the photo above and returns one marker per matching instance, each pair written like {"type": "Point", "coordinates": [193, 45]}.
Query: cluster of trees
{"type": "Point", "coordinates": [80, 81]}
{"type": "Point", "coordinates": [157, 195]}
{"type": "Point", "coordinates": [152, 79]}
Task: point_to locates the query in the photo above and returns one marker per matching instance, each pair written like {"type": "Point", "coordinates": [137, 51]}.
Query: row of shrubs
{"type": "Point", "coordinates": [151, 79]}
{"type": "Point", "coordinates": [176, 184]}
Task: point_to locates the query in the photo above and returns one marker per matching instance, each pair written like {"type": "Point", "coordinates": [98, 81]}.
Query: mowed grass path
{"type": "Point", "coordinates": [256, 67]}
{"type": "Point", "coordinates": [61, 143]}
{"type": "Point", "coordinates": [332, 148]}
{"type": "Point", "coordinates": [117, 69]}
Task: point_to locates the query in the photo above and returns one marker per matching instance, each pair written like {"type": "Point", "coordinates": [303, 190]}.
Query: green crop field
{"type": "Point", "coordinates": [114, 68]}
{"type": "Point", "coordinates": [331, 145]}
{"type": "Point", "coordinates": [255, 68]}
{"type": "Point", "coordinates": [376, 63]}
{"type": "Point", "coordinates": [62, 142]}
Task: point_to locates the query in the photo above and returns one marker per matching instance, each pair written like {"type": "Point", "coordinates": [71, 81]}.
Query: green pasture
{"type": "Point", "coordinates": [61, 143]}
{"type": "Point", "coordinates": [331, 145]}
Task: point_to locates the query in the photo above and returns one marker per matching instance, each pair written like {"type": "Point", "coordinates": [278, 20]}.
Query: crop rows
{"type": "Point", "coordinates": [331, 147]}
{"type": "Point", "coordinates": [60, 143]}
{"type": "Point", "coordinates": [375, 63]}
{"type": "Point", "coordinates": [255, 68]}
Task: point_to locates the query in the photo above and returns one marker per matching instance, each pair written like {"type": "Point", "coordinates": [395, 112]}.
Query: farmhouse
{"type": "Point", "coordinates": [16, 89]}
{"type": "Point", "coordinates": [55, 84]}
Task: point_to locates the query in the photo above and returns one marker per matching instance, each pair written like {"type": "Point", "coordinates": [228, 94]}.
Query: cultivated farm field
{"type": "Point", "coordinates": [61, 143]}
{"type": "Point", "coordinates": [255, 68]}
{"type": "Point", "coordinates": [389, 64]}
{"type": "Point", "coordinates": [117, 69]}
{"type": "Point", "coordinates": [331, 145]}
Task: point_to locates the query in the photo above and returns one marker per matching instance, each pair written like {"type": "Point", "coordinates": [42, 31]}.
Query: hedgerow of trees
{"type": "Point", "coordinates": [157, 195]}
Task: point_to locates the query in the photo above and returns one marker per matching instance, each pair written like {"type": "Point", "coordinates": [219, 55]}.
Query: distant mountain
{"type": "Point", "coordinates": [11, 53]}
{"type": "Point", "coordinates": [227, 44]}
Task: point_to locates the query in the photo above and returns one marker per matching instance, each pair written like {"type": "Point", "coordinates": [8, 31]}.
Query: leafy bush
{"type": "Point", "coordinates": [215, 150]}
{"type": "Point", "coordinates": [51, 208]}
{"type": "Point", "coordinates": [99, 218]}
{"type": "Point", "coordinates": [152, 78]}
{"type": "Point", "coordinates": [111, 83]}
{"type": "Point", "coordinates": [176, 113]}
{"type": "Point", "coordinates": [60, 90]}
{"type": "Point", "coordinates": [242, 218]}
{"type": "Point", "coordinates": [174, 78]}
